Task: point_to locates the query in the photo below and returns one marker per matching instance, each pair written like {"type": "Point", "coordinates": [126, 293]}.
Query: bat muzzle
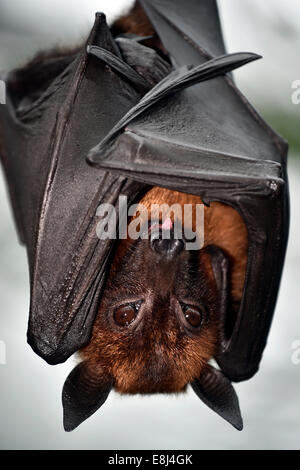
{"type": "Point", "coordinates": [166, 244]}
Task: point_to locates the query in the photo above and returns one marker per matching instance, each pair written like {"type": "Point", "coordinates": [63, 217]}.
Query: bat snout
{"type": "Point", "coordinates": [166, 244]}
{"type": "Point", "coordinates": [167, 248]}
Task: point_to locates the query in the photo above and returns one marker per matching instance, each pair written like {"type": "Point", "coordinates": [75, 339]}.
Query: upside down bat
{"type": "Point", "coordinates": [147, 315]}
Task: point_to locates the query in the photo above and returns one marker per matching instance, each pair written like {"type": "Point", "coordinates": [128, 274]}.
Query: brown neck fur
{"type": "Point", "coordinates": [136, 22]}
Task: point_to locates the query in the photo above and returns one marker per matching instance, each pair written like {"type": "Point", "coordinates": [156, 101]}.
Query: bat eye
{"type": "Point", "coordinates": [126, 314]}
{"type": "Point", "coordinates": [192, 315]}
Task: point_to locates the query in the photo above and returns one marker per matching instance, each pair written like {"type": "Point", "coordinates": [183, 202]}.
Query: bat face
{"type": "Point", "coordinates": [161, 315]}
{"type": "Point", "coordinates": [157, 324]}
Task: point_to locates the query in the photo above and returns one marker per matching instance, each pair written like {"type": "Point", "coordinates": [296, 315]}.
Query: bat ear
{"type": "Point", "coordinates": [216, 391]}
{"type": "Point", "coordinates": [220, 266]}
{"type": "Point", "coordinates": [84, 392]}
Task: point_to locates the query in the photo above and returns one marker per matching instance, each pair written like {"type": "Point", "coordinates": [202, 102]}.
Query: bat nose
{"type": "Point", "coordinates": [169, 248]}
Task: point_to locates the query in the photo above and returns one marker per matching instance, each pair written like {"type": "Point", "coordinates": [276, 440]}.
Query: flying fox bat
{"type": "Point", "coordinates": [146, 110]}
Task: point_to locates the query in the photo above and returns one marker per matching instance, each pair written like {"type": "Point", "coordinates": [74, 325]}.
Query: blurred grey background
{"type": "Point", "coordinates": [30, 408]}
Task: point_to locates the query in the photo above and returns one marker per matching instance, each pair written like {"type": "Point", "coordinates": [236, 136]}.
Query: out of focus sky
{"type": "Point", "coordinates": [30, 408]}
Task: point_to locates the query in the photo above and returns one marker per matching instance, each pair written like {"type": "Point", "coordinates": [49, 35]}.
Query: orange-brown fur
{"type": "Point", "coordinates": [137, 22]}
{"type": "Point", "coordinates": [159, 358]}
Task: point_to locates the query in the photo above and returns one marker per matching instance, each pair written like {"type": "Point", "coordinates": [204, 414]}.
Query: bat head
{"type": "Point", "coordinates": [158, 321]}
{"type": "Point", "coordinates": [156, 326]}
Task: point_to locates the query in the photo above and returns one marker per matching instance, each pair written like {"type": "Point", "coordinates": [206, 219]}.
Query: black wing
{"type": "Point", "coordinates": [55, 193]}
